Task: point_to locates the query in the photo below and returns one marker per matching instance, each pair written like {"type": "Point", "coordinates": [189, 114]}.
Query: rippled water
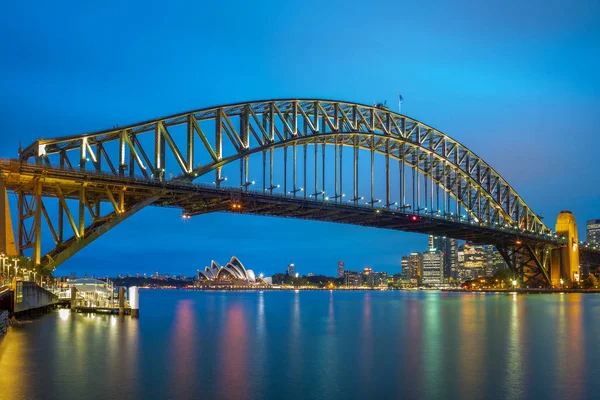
{"type": "Point", "coordinates": [329, 345]}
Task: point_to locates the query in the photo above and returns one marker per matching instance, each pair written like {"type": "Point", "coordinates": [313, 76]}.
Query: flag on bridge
{"type": "Point", "coordinates": [400, 99]}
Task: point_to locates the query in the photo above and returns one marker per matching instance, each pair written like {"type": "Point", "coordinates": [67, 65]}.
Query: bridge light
{"type": "Point", "coordinates": [414, 218]}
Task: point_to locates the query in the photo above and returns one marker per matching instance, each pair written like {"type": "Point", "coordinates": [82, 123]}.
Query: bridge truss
{"type": "Point", "coordinates": [312, 159]}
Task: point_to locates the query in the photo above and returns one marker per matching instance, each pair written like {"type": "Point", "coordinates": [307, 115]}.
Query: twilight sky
{"type": "Point", "coordinates": [517, 82]}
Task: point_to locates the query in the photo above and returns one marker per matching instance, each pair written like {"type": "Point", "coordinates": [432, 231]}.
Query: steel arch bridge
{"type": "Point", "coordinates": [312, 159]}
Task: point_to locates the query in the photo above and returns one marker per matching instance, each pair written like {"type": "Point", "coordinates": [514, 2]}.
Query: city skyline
{"type": "Point", "coordinates": [75, 87]}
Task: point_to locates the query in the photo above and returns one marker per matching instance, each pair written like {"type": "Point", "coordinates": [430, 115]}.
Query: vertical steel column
{"type": "Point", "coordinates": [304, 175]}
{"type": "Point", "coordinates": [122, 164]}
{"type": "Point", "coordinates": [246, 182]}
{"type": "Point", "coordinates": [425, 182]}
{"type": "Point", "coordinates": [323, 169]}
{"type": "Point", "coordinates": [242, 173]}
{"type": "Point", "coordinates": [271, 171]}
{"type": "Point", "coordinates": [341, 178]}
{"type": "Point", "coordinates": [373, 171]}
{"type": "Point", "coordinates": [387, 174]}
{"type": "Point", "coordinates": [285, 171]}
{"type": "Point", "coordinates": [159, 144]}
{"type": "Point", "coordinates": [190, 144]}
{"type": "Point", "coordinates": [402, 176]}
{"type": "Point", "coordinates": [444, 187]}
{"type": "Point", "coordinates": [355, 146]}
{"type": "Point", "coordinates": [20, 222]}
{"type": "Point", "coordinates": [131, 165]}
{"type": "Point", "coordinates": [417, 163]}
{"type": "Point", "coordinates": [457, 188]}
{"type": "Point", "coordinates": [335, 168]}
{"type": "Point", "coordinates": [264, 171]}
{"type": "Point", "coordinates": [37, 246]}
{"type": "Point", "coordinates": [431, 181]}
{"type": "Point", "coordinates": [414, 185]}
{"type": "Point", "coordinates": [82, 154]}
{"type": "Point", "coordinates": [294, 168]}
{"type": "Point", "coordinates": [60, 216]}
{"type": "Point", "coordinates": [218, 144]}
{"type": "Point", "coordinates": [316, 170]}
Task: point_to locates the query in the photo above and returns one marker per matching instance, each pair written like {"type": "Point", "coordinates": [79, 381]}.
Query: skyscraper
{"type": "Point", "coordinates": [290, 270]}
{"type": "Point", "coordinates": [405, 268]}
{"type": "Point", "coordinates": [449, 249]}
{"type": "Point", "coordinates": [592, 232]}
{"type": "Point", "coordinates": [340, 270]}
{"type": "Point", "coordinates": [433, 267]}
{"type": "Point", "coordinates": [416, 265]}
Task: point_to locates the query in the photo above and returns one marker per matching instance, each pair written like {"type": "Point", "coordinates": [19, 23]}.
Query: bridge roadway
{"type": "Point", "coordinates": [195, 199]}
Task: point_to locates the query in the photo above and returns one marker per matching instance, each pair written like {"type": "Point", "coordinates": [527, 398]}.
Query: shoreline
{"type": "Point", "coordinates": [449, 290]}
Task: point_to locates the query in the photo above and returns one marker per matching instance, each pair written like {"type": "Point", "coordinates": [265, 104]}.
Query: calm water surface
{"type": "Point", "coordinates": [321, 345]}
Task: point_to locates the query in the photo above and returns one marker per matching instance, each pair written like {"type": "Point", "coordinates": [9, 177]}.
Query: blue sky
{"type": "Point", "coordinates": [516, 82]}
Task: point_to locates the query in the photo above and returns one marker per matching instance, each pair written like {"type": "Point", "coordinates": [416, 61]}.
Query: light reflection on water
{"type": "Point", "coordinates": [329, 344]}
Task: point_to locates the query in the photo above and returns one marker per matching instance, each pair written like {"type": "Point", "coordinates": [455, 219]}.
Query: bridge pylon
{"type": "Point", "coordinates": [565, 259]}
{"type": "Point", "coordinates": [529, 262]}
{"type": "Point", "coordinates": [7, 236]}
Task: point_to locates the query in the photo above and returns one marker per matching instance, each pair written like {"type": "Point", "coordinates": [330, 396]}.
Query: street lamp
{"type": "Point", "coordinates": [514, 282]}
{"type": "Point", "coordinates": [3, 257]}
{"type": "Point", "coordinates": [562, 283]}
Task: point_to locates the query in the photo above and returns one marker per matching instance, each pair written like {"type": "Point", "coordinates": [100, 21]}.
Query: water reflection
{"type": "Point", "coordinates": [184, 337]}
{"type": "Point", "coordinates": [234, 366]}
{"type": "Point", "coordinates": [514, 367]}
{"type": "Point", "coordinates": [312, 345]}
{"type": "Point", "coordinates": [433, 352]}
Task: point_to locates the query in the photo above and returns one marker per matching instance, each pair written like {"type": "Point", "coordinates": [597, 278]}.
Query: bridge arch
{"type": "Point", "coordinates": [183, 148]}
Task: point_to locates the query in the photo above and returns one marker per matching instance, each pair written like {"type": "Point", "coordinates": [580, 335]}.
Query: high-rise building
{"type": "Point", "coordinates": [433, 268]}
{"type": "Point", "coordinates": [475, 262]}
{"type": "Point", "coordinates": [405, 268]}
{"type": "Point", "coordinates": [290, 270]}
{"type": "Point", "coordinates": [416, 265]}
{"type": "Point", "coordinates": [449, 249]}
{"type": "Point", "coordinates": [368, 270]}
{"type": "Point", "coordinates": [340, 269]}
{"type": "Point", "coordinates": [353, 278]}
{"type": "Point", "coordinates": [592, 232]}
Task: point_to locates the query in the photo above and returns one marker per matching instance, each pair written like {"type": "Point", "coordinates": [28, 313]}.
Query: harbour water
{"type": "Point", "coordinates": [318, 345]}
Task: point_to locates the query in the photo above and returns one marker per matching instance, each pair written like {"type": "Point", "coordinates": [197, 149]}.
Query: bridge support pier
{"type": "Point", "coordinates": [7, 236]}
{"type": "Point", "coordinates": [565, 259]}
{"type": "Point", "coordinates": [529, 264]}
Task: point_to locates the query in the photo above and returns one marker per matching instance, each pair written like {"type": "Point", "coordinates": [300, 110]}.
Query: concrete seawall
{"type": "Point", "coordinates": [30, 296]}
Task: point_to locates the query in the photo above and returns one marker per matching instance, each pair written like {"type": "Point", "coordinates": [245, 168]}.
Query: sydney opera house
{"type": "Point", "coordinates": [234, 271]}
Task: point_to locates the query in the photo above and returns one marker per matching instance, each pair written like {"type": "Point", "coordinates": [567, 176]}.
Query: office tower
{"type": "Point", "coordinates": [433, 268]}
{"type": "Point", "coordinates": [340, 269]}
